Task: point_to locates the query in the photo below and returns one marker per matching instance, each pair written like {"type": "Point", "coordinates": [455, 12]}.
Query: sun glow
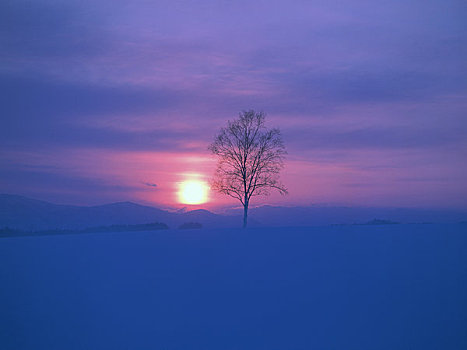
{"type": "Point", "coordinates": [193, 192]}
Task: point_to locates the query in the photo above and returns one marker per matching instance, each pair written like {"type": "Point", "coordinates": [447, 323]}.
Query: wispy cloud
{"type": "Point", "coordinates": [150, 184]}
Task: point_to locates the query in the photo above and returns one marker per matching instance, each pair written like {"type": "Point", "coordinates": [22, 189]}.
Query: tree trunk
{"type": "Point", "coordinates": [245, 214]}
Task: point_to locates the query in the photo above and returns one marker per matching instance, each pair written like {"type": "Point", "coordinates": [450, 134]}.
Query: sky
{"type": "Point", "coordinates": [105, 101]}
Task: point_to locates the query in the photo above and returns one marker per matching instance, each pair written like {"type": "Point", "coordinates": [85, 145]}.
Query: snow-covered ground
{"type": "Point", "coordinates": [335, 287]}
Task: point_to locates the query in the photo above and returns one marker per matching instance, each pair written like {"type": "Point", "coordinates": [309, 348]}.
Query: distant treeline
{"type": "Point", "coordinates": [125, 228]}
{"type": "Point", "coordinates": [380, 222]}
{"type": "Point", "coordinates": [6, 231]}
{"type": "Point", "coordinates": [372, 222]}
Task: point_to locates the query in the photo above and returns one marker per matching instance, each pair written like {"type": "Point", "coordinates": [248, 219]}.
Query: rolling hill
{"type": "Point", "coordinates": [24, 213]}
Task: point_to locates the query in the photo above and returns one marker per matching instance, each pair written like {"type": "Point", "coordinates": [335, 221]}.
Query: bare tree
{"type": "Point", "coordinates": [250, 157]}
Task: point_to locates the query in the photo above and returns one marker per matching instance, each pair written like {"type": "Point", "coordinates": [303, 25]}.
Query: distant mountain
{"type": "Point", "coordinates": [28, 214]}
{"type": "Point", "coordinates": [326, 215]}
{"type": "Point", "coordinates": [24, 213]}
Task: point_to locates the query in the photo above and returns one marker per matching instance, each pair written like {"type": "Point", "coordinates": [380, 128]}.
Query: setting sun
{"type": "Point", "coordinates": [193, 192]}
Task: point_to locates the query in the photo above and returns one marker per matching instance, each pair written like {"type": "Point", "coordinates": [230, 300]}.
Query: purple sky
{"type": "Point", "coordinates": [117, 100]}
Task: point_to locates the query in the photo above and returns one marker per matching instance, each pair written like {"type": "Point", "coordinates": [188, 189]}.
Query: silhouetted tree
{"type": "Point", "coordinates": [250, 157]}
